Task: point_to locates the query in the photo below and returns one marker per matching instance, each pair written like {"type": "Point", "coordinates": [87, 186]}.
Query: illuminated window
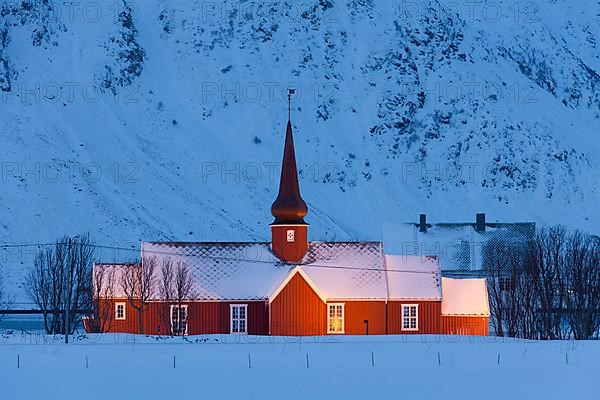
{"type": "Point", "coordinates": [179, 317]}
{"type": "Point", "coordinates": [335, 318]}
{"type": "Point", "coordinates": [410, 317]}
{"type": "Point", "coordinates": [120, 311]}
{"type": "Point", "coordinates": [239, 318]}
{"type": "Point", "coordinates": [290, 235]}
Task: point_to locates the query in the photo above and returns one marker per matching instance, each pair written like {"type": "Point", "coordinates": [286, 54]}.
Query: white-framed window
{"type": "Point", "coordinates": [291, 235]}
{"type": "Point", "coordinates": [179, 318]}
{"type": "Point", "coordinates": [239, 318]}
{"type": "Point", "coordinates": [120, 311]}
{"type": "Point", "coordinates": [335, 318]}
{"type": "Point", "coordinates": [410, 317]}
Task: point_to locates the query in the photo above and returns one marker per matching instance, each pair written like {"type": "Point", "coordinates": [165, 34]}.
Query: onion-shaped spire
{"type": "Point", "coordinates": [289, 207]}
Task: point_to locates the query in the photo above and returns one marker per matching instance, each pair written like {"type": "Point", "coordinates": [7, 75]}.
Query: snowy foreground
{"type": "Point", "coordinates": [223, 366]}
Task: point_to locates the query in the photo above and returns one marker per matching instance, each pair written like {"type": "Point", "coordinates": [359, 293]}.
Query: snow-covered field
{"type": "Point", "coordinates": [246, 367]}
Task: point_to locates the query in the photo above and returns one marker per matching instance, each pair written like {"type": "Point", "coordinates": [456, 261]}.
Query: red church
{"type": "Point", "coordinates": [289, 286]}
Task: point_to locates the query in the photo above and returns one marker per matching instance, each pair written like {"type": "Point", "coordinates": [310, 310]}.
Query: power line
{"type": "Point", "coordinates": [270, 262]}
{"type": "Point", "coordinates": [172, 253]}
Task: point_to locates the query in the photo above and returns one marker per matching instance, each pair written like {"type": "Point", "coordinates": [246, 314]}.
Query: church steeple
{"type": "Point", "coordinates": [289, 207]}
{"type": "Point", "coordinates": [289, 231]}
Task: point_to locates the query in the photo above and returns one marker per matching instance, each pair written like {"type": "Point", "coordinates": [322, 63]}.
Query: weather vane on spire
{"type": "Point", "coordinates": [290, 93]}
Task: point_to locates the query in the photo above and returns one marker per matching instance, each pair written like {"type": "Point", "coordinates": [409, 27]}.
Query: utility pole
{"type": "Point", "coordinates": [68, 291]}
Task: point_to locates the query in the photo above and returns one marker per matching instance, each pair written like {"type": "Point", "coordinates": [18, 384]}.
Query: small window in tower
{"type": "Point", "coordinates": [290, 235]}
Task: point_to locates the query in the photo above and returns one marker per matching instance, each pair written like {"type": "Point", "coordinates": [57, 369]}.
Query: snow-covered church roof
{"type": "Point", "coordinates": [250, 271]}
{"type": "Point", "coordinates": [224, 271]}
{"type": "Point", "coordinates": [346, 270]}
{"type": "Point", "coordinates": [337, 270]}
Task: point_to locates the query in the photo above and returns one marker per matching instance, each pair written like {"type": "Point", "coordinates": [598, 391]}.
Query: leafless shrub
{"type": "Point", "coordinates": [183, 289]}
{"type": "Point", "coordinates": [545, 267]}
{"type": "Point", "coordinates": [6, 300]}
{"type": "Point", "coordinates": [103, 286]}
{"type": "Point", "coordinates": [138, 282]}
{"type": "Point", "coordinates": [167, 291]}
{"type": "Point", "coordinates": [582, 260]}
{"type": "Point", "coordinates": [503, 277]}
{"type": "Point", "coordinates": [175, 288]}
{"type": "Point", "coordinates": [60, 282]}
{"type": "Point", "coordinates": [549, 291]}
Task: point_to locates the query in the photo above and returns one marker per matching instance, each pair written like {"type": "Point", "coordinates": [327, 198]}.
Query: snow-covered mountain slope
{"type": "Point", "coordinates": [165, 120]}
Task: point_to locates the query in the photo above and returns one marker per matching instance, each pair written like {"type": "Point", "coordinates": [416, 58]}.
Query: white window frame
{"type": "Point", "coordinates": [416, 317]}
{"type": "Point", "coordinates": [290, 235]}
{"type": "Point", "coordinates": [329, 330]}
{"type": "Point", "coordinates": [245, 319]}
{"type": "Point", "coordinates": [117, 305]}
{"type": "Point", "coordinates": [187, 319]}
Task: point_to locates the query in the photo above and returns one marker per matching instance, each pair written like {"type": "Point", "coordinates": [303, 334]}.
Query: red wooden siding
{"type": "Point", "coordinates": [298, 310]}
{"type": "Point", "coordinates": [428, 321]}
{"type": "Point", "coordinates": [203, 318]}
{"type": "Point", "coordinates": [463, 325]}
{"type": "Point", "coordinates": [356, 312]}
{"type": "Point", "coordinates": [214, 317]}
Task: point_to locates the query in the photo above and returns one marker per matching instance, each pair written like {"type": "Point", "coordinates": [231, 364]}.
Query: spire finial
{"type": "Point", "coordinates": [290, 93]}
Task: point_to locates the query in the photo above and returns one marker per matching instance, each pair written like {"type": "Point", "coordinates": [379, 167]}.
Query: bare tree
{"type": "Point", "coordinates": [504, 277]}
{"type": "Point", "coordinates": [524, 307]}
{"type": "Point", "coordinates": [78, 288]}
{"type": "Point", "coordinates": [545, 268]}
{"type": "Point", "coordinates": [582, 261]}
{"type": "Point", "coordinates": [183, 282]}
{"type": "Point", "coordinates": [183, 286]}
{"type": "Point", "coordinates": [138, 283]}
{"type": "Point", "coordinates": [553, 292]}
{"type": "Point", "coordinates": [496, 268]}
{"type": "Point", "coordinates": [167, 291]}
{"type": "Point", "coordinates": [60, 282]}
{"type": "Point", "coordinates": [6, 300]}
{"type": "Point", "coordinates": [44, 288]}
{"type": "Point", "coordinates": [103, 290]}
{"type": "Point", "coordinates": [175, 288]}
